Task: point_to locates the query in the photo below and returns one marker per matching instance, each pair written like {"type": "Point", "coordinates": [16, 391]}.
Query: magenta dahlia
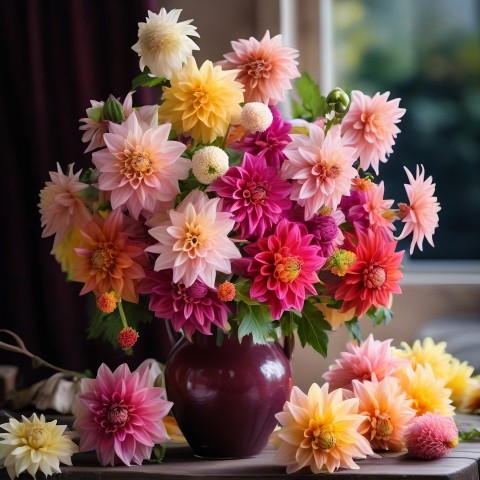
{"type": "Point", "coordinates": [188, 308]}
{"type": "Point", "coordinates": [283, 267]}
{"type": "Point", "coordinates": [269, 143]}
{"type": "Point", "coordinates": [255, 195]}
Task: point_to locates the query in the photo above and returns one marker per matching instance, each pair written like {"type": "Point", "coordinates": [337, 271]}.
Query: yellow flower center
{"type": "Point", "coordinates": [374, 276]}
{"type": "Point", "coordinates": [193, 239]}
{"type": "Point", "coordinates": [163, 38]}
{"type": "Point", "coordinates": [381, 425]}
{"type": "Point", "coordinates": [287, 269]}
{"type": "Point", "coordinates": [319, 436]}
{"type": "Point", "coordinates": [37, 436]}
{"type": "Point", "coordinates": [200, 98]}
{"type": "Point", "coordinates": [103, 258]}
{"type": "Point", "coordinates": [136, 164]}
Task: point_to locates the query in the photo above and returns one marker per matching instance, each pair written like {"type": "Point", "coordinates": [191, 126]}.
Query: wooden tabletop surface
{"type": "Point", "coordinates": [463, 463]}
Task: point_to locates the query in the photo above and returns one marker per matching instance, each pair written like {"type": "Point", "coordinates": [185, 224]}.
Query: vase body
{"type": "Point", "coordinates": [225, 397]}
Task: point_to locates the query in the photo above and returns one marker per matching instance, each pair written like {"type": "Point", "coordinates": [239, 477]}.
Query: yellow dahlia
{"type": "Point", "coordinates": [319, 430]}
{"type": "Point", "coordinates": [202, 101]}
{"type": "Point", "coordinates": [458, 377]}
{"type": "Point", "coordinates": [34, 444]}
{"type": "Point", "coordinates": [65, 252]}
{"type": "Point", "coordinates": [471, 402]}
{"type": "Point", "coordinates": [427, 392]}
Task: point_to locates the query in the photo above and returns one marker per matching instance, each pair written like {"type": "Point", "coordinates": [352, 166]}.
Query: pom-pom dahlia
{"type": "Point", "coordinates": [256, 117]}
{"type": "Point", "coordinates": [119, 415]}
{"type": "Point", "coordinates": [370, 127]}
{"type": "Point", "coordinates": [264, 67]}
{"type": "Point", "coordinates": [431, 436]}
{"type": "Point", "coordinates": [209, 163]}
{"type": "Point", "coordinates": [254, 194]}
{"type": "Point", "coordinates": [319, 430]}
{"type": "Point", "coordinates": [163, 42]}
{"type": "Point", "coordinates": [283, 268]}
{"type": "Point", "coordinates": [34, 444]}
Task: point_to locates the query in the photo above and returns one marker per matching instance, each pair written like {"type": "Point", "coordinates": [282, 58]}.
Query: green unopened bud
{"type": "Point", "coordinates": [113, 110]}
{"type": "Point", "coordinates": [95, 113]}
{"type": "Point", "coordinates": [338, 100]}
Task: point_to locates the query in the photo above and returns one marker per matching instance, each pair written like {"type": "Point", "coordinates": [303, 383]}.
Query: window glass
{"type": "Point", "coordinates": [428, 53]}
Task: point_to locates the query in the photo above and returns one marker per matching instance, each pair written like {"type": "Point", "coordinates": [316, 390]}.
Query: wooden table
{"type": "Point", "coordinates": [463, 463]}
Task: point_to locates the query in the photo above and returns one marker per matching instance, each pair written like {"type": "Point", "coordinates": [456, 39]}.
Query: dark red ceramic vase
{"type": "Point", "coordinates": [225, 397]}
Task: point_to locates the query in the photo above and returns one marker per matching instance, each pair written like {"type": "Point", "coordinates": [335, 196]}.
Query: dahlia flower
{"type": "Point", "coordinates": [194, 241]}
{"type": "Point", "coordinates": [140, 166]}
{"type": "Point", "coordinates": [319, 430]}
{"type": "Point", "coordinates": [269, 143]}
{"type": "Point", "coordinates": [34, 444]}
{"type": "Point", "coordinates": [370, 127]}
{"type": "Point", "coordinates": [387, 413]}
{"type": "Point", "coordinates": [378, 210]}
{"type": "Point", "coordinates": [254, 194]}
{"type": "Point", "coordinates": [65, 253]}
{"type": "Point", "coordinates": [209, 163]}
{"type": "Point", "coordinates": [265, 68]}
{"type": "Point", "coordinates": [109, 260]}
{"type": "Point", "coordinates": [372, 359]}
{"type": "Point", "coordinates": [471, 400]}
{"type": "Point", "coordinates": [96, 125]}
{"type": "Point", "coordinates": [326, 233]}
{"type": "Point", "coordinates": [256, 117]}
{"type": "Point", "coordinates": [61, 204]}
{"type": "Point", "coordinates": [193, 308]}
{"type": "Point", "coordinates": [421, 215]}
{"type": "Point", "coordinates": [458, 380]}
{"type": "Point", "coordinates": [202, 101]}
{"type": "Point", "coordinates": [283, 267]}
{"type": "Point", "coordinates": [427, 392]}
{"type": "Point", "coordinates": [431, 436]}
{"type": "Point", "coordinates": [119, 415]}
{"type": "Point", "coordinates": [321, 169]}
{"type": "Point", "coordinates": [163, 42]}
{"type": "Point", "coordinates": [373, 276]}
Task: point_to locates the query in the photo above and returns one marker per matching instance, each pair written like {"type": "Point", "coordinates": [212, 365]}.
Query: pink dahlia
{"type": "Point", "coordinates": [255, 195]}
{"type": "Point", "coordinates": [140, 166]}
{"type": "Point", "coordinates": [431, 436]}
{"type": "Point", "coordinates": [61, 204]}
{"type": "Point", "coordinates": [109, 259]}
{"type": "Point", "coordinates": [269, 143]}
{"type": "Point", "coordinates": [194, 240]}
{"type": "Point", "coordinates": [266, 68]}
{"type": "Point", "coordinates": [421, 216]}
{"type": "Point", "coordinates": [378, 209]}
{"type": "Point", "coordinates": [370, 127]}
{"type": "Point", "coordinates": [95, 125]}
{"type": "Point", "coordinates": [188, 308]}
{"type": "Point", "coordinates": [283, 267]}
{"type": "Point", "coordinates": [119, 415]}
{"type": "Point", "coordinates": [320, 167]}
{"type": "Point", "coordinates": [371, 360]}
{"type": "Point", "coordinates": [374, 275]}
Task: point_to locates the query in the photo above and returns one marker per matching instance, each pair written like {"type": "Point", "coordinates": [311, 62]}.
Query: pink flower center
{"type": "Point", "coordinates": [324, 171]}
{"type": "Point", "coordinates": [318, 437]}
{"type": "Point", "coordinates": [374, 276]}
{"type": "Point", "coordinates": [256, 192]}
{"type": "Point", "coordinates": [372, 124]}
{"type": "Point", "coordinates": [136, 164]}
{"type": "Point", "coordinates": [103, 258]}
{"type": "Point", "coordinates": [192, 294]}
{"type": "Point", "coordinates": [259, 68]}
{"type": "Point", "coordinates": [403, 210]}
{"type": "Point", "coordinates": [118, 414]}
{"type": "Point", "coordinates": [287, 269]}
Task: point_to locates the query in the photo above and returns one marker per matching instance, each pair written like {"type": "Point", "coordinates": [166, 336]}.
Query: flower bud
{"type": "Point", "coordinates": [113, 110]}
{"type": "Point", "coordinates": [338, 101]}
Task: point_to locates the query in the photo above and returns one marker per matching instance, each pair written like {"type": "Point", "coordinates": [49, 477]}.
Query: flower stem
{"type": "Point", "coordinates": [122, 313]}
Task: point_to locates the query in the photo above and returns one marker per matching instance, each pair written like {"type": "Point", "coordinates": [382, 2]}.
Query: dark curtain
{"type": "Point", "coordinates": [56, 56]}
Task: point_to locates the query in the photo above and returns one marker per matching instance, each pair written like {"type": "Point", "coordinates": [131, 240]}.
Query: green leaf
{"type": "Point", "coordinates": [108, 326]}
{"type": "Point", "coordinates": [145, 80]}
{"type": "Point", "coordinates": [468, 434]}
{"type": "Point", "coordinates": [380, 315]}
{"type": "Point", "coordinates": [312, 327]}
{"type": "Point", "coordinates": [287, 323]}
{"type": "Point", "coordinates": [309, 92]}
{"type": "Point", "coordinates": [254, 320]}
{"type": "Point", "coordinates": [353, 328]}
{"type": "Point", "coordinates": [242, 292]}
{"type": "Point", "coordinates": [158, 453]}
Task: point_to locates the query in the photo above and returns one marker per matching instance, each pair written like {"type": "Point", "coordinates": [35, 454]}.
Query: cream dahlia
{"type": "Point", "coordinates": [320, 167]}
{"type": "Point", "coordinates": [194, 240]}
{"type": "Point", "coordinates": [319, 430]}
{"type": "Point", "coordinates": [265, 67]}
{"type": "Point", "coordinates": [421, 215]}
{"type": "Point", "coordinates": [163, 42]}
{"type": "Point", "coordinates": [370, 127]}
{"type": "Point", "coordinates": [140, 166]}
{"type": "Point", "coordinates": [34, 444]}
